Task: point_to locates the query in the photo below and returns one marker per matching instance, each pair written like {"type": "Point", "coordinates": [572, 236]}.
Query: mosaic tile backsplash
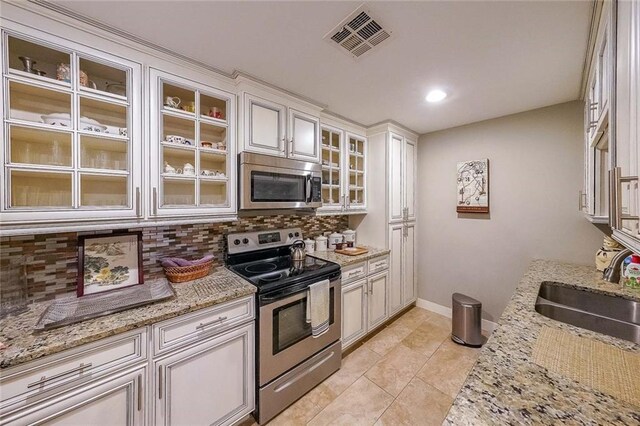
{"type": "Point", "coordinates": [39, 267]}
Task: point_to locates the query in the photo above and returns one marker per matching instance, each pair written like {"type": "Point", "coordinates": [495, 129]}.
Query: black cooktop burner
{"type": "Point", "coordinates": [260, 268]}
{"type": "Point", "coordinates": [269, 278]}
{"type": "Point", "coordinates": [270, 270]}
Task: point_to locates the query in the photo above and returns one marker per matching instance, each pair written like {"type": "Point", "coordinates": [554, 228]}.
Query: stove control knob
{"type": "Point", "coordinates": [245, 241]}
{"type": "Point", "coordinates": [297, 234]}
{"type": "Point", "coordinates": [236, 242]}
{"type": "Point", "coordinates": [290, 235]}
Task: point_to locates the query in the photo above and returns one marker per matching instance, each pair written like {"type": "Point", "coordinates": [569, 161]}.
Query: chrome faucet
{"type": "Point", "coordinates": [612, 272]}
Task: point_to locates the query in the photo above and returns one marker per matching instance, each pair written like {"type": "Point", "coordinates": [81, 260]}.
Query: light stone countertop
{"type": "Point", "coordinates": [23, 344]}
{"type": "Point", "coordinates": [345, 260]}
{"type": "Point", "coordinates": [506, 387]}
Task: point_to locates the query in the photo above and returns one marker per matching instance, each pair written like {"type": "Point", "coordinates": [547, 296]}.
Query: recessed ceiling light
{"type": "Point", "coordinates": [436, 95]}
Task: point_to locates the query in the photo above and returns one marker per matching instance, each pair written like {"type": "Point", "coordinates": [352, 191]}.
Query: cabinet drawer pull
{"type": "Point", "coordinates": [139, 392]}
{"type": "Point", "coordinates": [207, 324]}
{"type": "Point", "coordinates": [160, 382]}
{"type": "Point", "coordinates": [379, 264]}
{"type": "Point", "coordinates": [353, 273]}
{"type": "Point", "coordinates": [45, 379]}
{"type": "Point", "coordinates": [138, 207]}
{"type": "Point", "coordinates": [155, 201]}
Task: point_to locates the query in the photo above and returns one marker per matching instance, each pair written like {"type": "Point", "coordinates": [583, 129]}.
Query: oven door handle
{"type": "Point", "coordinates": [308, 189]}
{"type": "Point", "coordinates": [290, 296]}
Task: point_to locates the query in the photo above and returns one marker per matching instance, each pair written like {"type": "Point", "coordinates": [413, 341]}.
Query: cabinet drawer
{"type": "Point", "coordinates": [354, 272]}
{"type": "Point", "coordinates": [176, 332]}
{"type": "Point", "coordinates": [378, 264]}
{"type": "Point", "coordinates": [57, 372]}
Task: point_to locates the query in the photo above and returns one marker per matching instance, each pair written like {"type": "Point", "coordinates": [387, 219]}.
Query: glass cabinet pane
{"type": "Point", "coordinates": [331, 156]}
{"type": "Point", "coordinates": [212, 107]}
{"type": "Point", "coordinates": [178, 192]}
{"type": "Point", "coordinates": [42, 147]}
{"type": "Point", "coordinates": [213, 192]}
{"type": "Point", "coordinates": [178, 161]}
{"type": "Point", "coordinates": [37, 60]}
{"type": "Point", "coordinates": [178, 98]}
{"type": "Point", "coordinates": [31, 103]}
{"type": "Point", "coordinates": [101, 153]}
{"type": "Point", "coordinates": [104, 78]}
{"type": "Point", "coordinates": [213, 137]}
{"type": "Point", "coordinates": [40, 189]}
{"type": "Point", "coordinates": [103, 117]}
{"type": "Point", "coordinates": [178, 130]}
{"type": "Point", "coordinates": [97, 190]}
{"type": "Point", "coordinates": [213, 165]}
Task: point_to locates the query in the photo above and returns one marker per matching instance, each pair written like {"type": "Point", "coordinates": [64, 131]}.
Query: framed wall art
{"type": "Point", "coordinates": [473, 186]}
{"type": "Point", "coordinates": [109, 262]}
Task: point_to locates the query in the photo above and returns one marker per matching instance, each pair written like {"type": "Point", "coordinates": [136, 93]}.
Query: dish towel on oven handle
{"type": "Point", "coordinates": [318, 307]}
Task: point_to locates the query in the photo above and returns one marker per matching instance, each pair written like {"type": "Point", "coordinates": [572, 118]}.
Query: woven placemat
{"type": "Point", "coordinates": [595, 364]}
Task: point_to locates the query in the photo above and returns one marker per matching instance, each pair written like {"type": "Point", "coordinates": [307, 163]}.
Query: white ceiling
{"type": "Point", "coordinates": [494, 58]}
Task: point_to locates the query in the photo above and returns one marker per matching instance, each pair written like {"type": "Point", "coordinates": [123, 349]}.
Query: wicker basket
{"type": "Point", "coordinates": [181, 274]}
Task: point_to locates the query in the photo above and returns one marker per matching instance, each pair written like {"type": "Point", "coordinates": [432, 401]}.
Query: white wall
{"type": "Point", "coordinates": [536, 171]}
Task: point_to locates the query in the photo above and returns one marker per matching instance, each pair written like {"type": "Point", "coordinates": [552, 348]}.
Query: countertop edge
{"type": "Point", "coordinates": [138, 319]}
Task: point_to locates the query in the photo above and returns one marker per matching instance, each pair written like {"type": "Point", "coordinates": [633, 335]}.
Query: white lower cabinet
{"type": "Point", "coordinates": [354, 312]}
{"type": "Point", "coordinates": [402, 286]}
{"type": "Point", "coordinates": [200, 372]}
{"type": "Point", "coordinates": [377, 299]}
{"type": "Point", "coordinates": [364, 301]}
{"type": "Point", "coordinates": [209, 383]}
{"type": "Point", "coordinates": [409, 290]}
{"type": "Point", "coordinates": [116, 399]}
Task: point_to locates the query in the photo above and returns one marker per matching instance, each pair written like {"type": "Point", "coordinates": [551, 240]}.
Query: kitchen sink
{"type": "Point", "coordinates": [604, 314]}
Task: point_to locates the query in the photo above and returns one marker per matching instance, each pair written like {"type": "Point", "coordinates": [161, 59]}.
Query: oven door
{"type": "Point", "coordinates": [267, 187]}
{"type": "Point", "coordinates": [285, 335]}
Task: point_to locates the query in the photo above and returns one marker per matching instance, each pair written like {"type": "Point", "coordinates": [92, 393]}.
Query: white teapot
{"type": "Point", "coordinates": [188, 169]}
{"type": "Point", "coordinates": [168, 168]}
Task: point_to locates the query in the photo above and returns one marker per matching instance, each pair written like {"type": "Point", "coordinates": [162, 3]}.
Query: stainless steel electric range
{"type": "Point", "coordinates": [289, 360]}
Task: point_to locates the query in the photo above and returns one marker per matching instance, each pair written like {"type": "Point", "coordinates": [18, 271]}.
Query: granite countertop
{"type": "Point", "coordinates": [506, 387]}
{"type": "Point", "coordinates": [345, 260]}
{"type": "Point", "coordinates": [23, 344]}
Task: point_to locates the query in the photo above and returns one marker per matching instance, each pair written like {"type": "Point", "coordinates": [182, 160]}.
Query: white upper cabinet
{"type": "Point", "coordinates": [344, 171]}
{"type": "Point", "coordinates": [594, 198]}
{"type": "Point", "coordinates": [396, 160]}
{"type": "Point", "coordinates": [72, 127]}
{"type": "Point", "coordinates": [264, 126]}
{"type": "Point", "coordinates": [625, 196]}
{"type": "Point", "coordinates": [304, 134]}
{"type": "Point", "coordinates": [402, 173]}
{"type": "Point", "coordinates": [277, 124]}
{"type": "Point", "coordinates": [410, 162]}
{"type": "Point", "coordinates": [193, 161]}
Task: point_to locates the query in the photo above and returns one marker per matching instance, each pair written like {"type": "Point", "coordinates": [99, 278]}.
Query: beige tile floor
{"type": "Point", "coordinates": [407, 374]}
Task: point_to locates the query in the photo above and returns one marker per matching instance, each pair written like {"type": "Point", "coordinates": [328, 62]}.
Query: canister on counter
{"type": "Point", "coordinates": [334, 239]}
{"type": "Point", "coordinates": [349, 236]}
{"type": "Point", "coordinates": [309, 245]}
{"type": "Point", "coordinates": [321, 243]}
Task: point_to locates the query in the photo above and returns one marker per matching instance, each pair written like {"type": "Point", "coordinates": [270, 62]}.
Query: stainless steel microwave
{"type": "Point", "coordinates": [268, 182]}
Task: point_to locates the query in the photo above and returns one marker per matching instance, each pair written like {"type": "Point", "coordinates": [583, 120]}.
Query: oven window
{"type": "Point", "coordinates": [290, 323]}
{"type": "Point", "coordinates": [277, 187]}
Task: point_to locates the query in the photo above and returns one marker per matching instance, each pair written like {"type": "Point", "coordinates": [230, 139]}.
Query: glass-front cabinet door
{"type": "Point", "coordinates": [192, 147]}
{"type": "Point", "coordinates": [331, 144]}
{"type": "Point", "coordinates": [356, 171]}
{"type": "Point", "coordinates": [72, 132]}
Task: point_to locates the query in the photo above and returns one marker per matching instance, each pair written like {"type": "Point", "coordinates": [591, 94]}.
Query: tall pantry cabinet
{"type": "Point", "coordinates": [392, 223]}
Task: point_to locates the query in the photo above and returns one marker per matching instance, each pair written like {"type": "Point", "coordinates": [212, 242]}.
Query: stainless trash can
{"type": "Point", "coordinates": [466, 320]}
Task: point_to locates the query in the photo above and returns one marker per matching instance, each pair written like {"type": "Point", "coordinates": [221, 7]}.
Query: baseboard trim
{"type": "Point", "coordinates": [446, 311]}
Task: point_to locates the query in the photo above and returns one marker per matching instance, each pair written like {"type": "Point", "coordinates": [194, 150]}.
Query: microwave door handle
{"type": "Point", "coordinates": [308, 188]}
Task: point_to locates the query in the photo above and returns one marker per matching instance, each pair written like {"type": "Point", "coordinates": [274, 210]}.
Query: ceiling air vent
{"type": "Point", "coordinates": [358, 33]}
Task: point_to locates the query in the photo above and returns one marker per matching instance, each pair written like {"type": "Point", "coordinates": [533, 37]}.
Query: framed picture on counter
{"type": "Point", "coordinates": [109, 262]}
